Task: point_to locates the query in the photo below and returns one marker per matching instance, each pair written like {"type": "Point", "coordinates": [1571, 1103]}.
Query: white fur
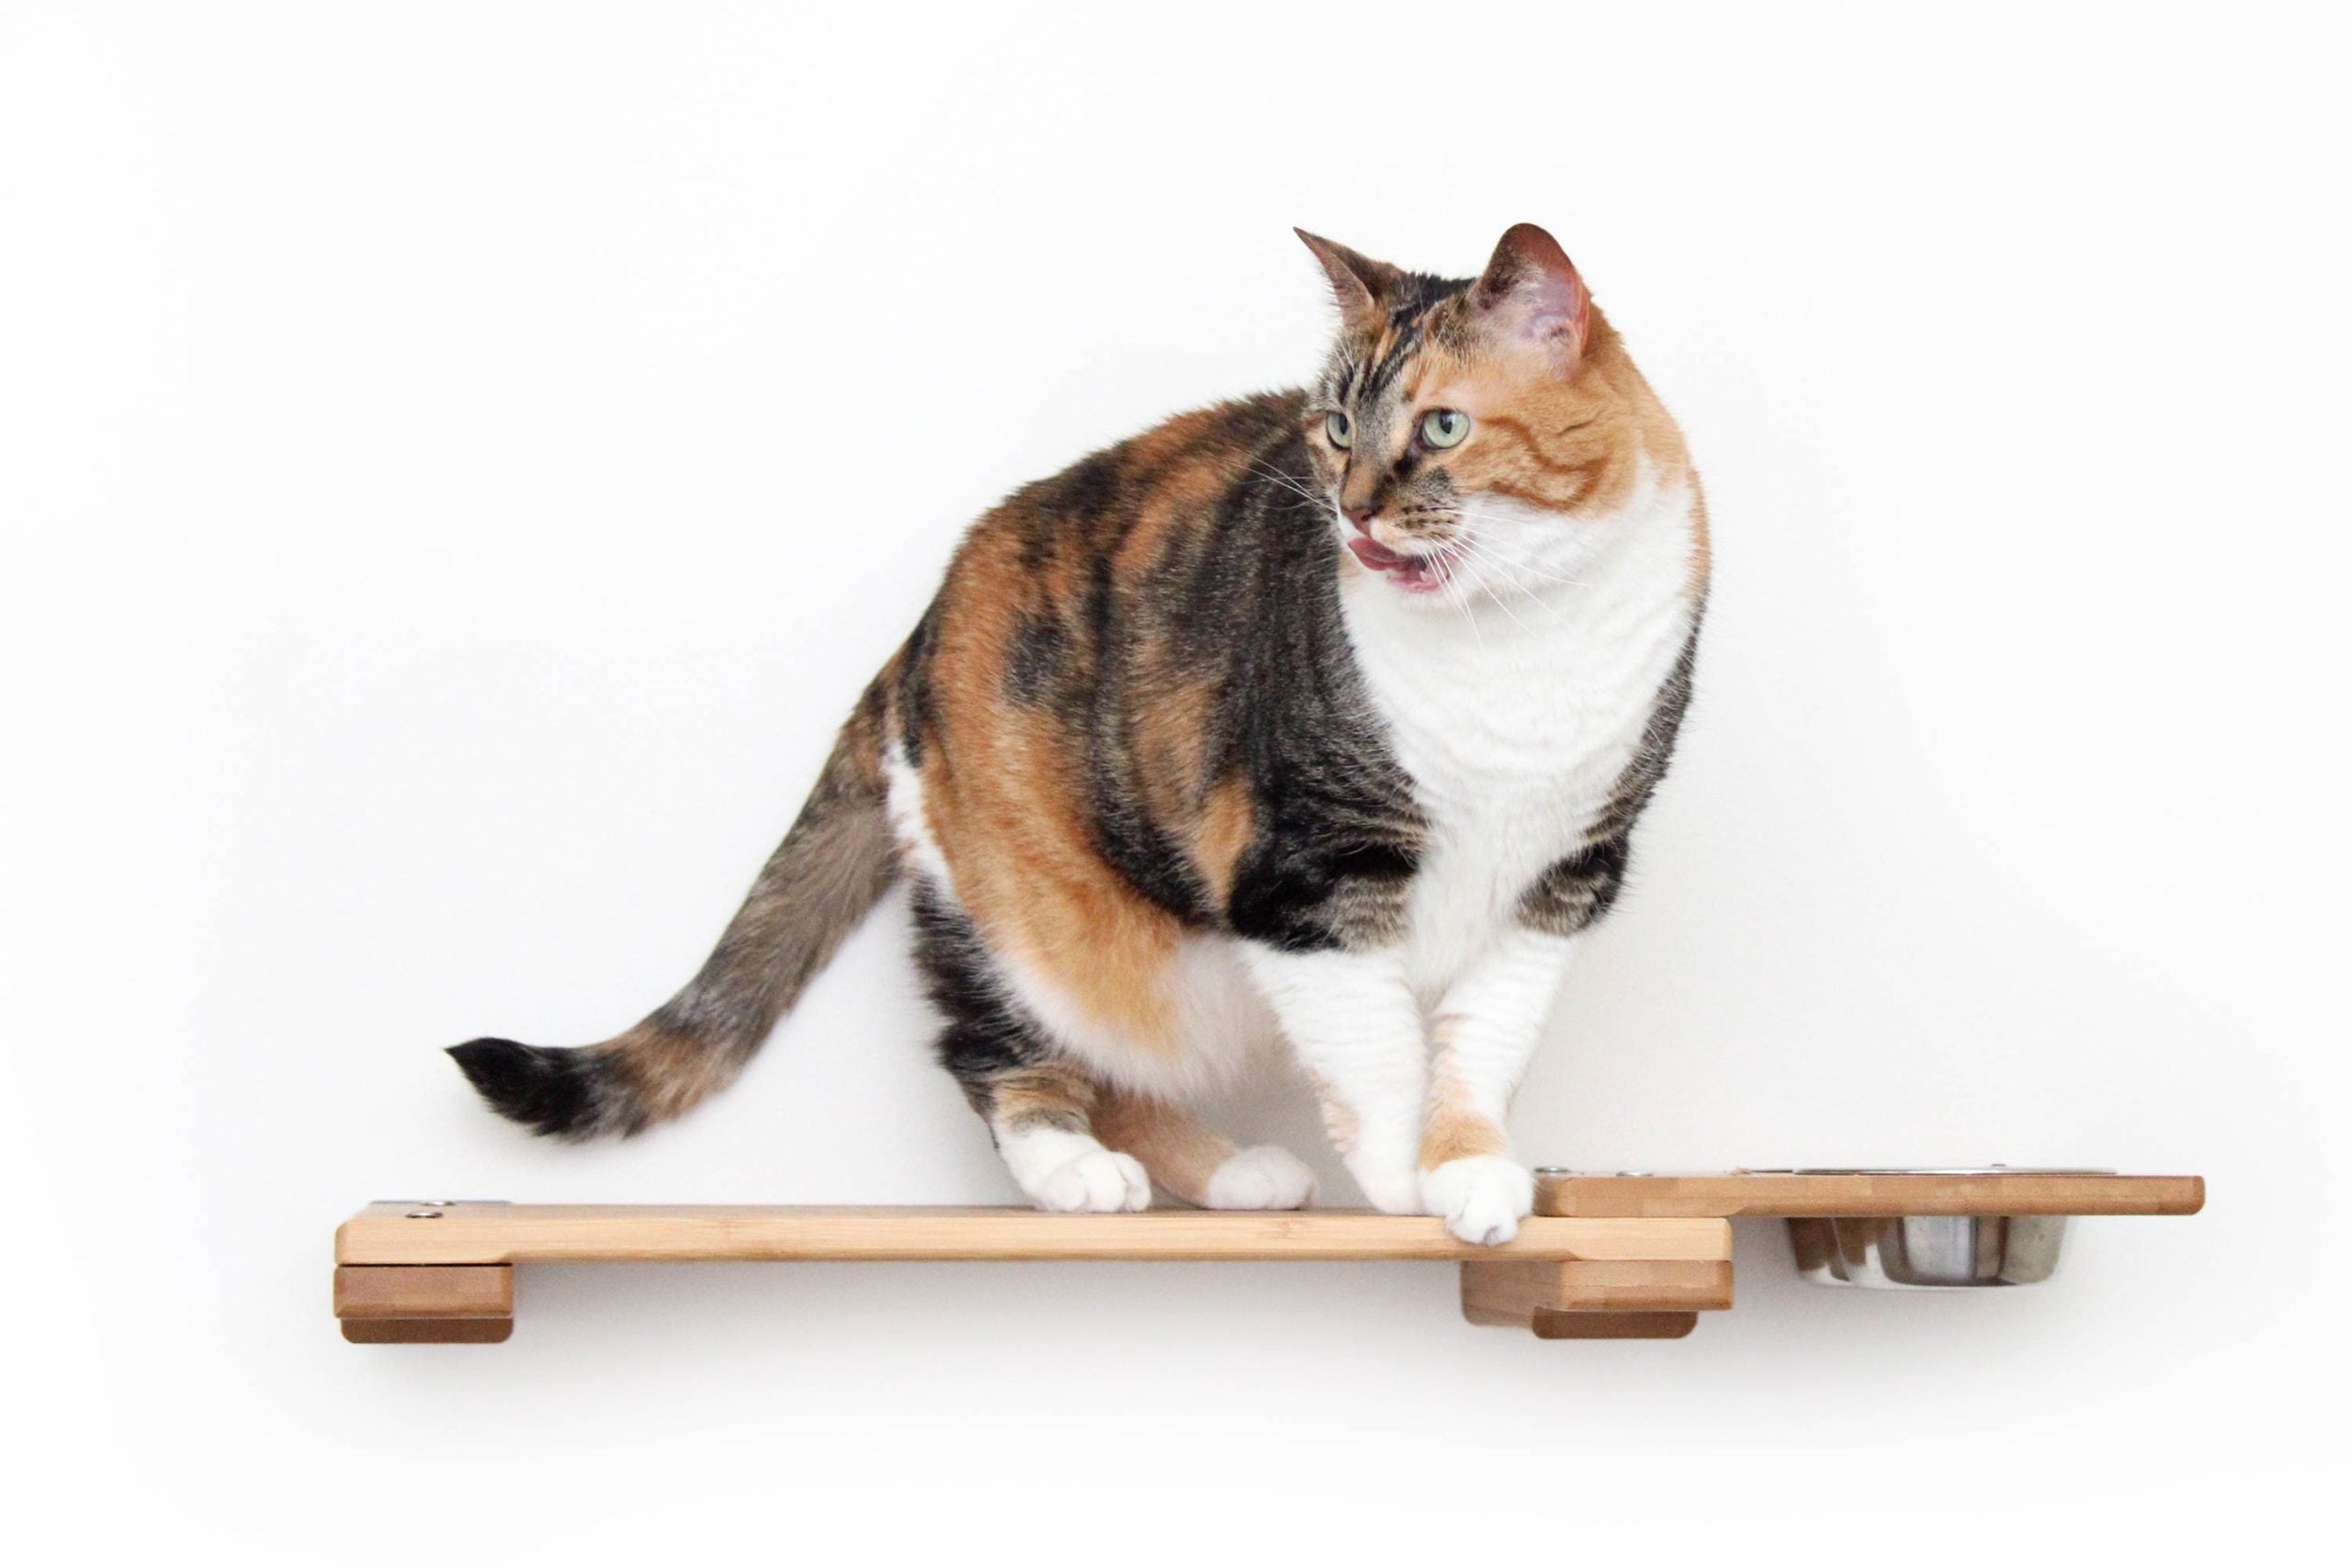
{"type": "Point", "coordinates": [1358, 1031]}
{"type": "Point", "coordinates": [910, 821]}
{"type": "Point", "coordinates": [1261, 1178]}
{"type": "Point", "coordinates": [1517, 713]}
{"type": "Point", "coordinates": [1489, 1019]}
{"type": "Point", "coordinates": [1070, 1172]}
{"type": "Point", "coordinates": [1481, 1198]}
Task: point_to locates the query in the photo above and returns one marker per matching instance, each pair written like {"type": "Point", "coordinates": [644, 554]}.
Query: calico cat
{"type": "Point", "coordinates": [1321, 716]}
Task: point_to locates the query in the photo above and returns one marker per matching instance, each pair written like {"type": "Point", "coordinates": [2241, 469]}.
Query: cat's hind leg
{"type": "Point", "coordinates": [1040, 1110]}
{"type": "Point", "coordinates": [1038, 1102]}
{"type": "Point", "coordinates": [1198, 1164]}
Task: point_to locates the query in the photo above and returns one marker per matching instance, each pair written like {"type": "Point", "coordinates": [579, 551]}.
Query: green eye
{"type": "Point", "coordinates": [1335, 426]}
{"type": "Point", "coordinates": [1444, 427]}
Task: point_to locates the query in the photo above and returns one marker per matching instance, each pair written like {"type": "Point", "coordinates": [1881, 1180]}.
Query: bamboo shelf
{"type": "Point", "coordinates": [1787, 1194]}
{"type": "Point", "coordinates": [1603, 1257]}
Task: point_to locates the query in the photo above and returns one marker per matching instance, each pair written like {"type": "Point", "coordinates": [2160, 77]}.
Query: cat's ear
{"type": "Point", "coordinates": [1361, 284]}
{"type": "Point", "coordinates": [1530, 293]}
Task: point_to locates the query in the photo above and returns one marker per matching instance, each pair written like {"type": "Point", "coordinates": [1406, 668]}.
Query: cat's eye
{"type": "Point", "coordinates": [1444, 427]}
{"type": "Point", "coordinates": [1335, 426]}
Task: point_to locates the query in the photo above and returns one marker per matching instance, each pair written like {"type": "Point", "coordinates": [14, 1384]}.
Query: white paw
{"type": "Point", "coordinates": [1481, 1198]}
{"type": "Point", "coordinates": [1263, 1177]}
{"type": "Point", "coordinates": [1393, 1189]}
{"type": "Point", "coordinates": [1096, 1182]}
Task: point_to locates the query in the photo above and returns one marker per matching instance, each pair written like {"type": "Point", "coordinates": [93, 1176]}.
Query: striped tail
{"type": "Point", "coordinates": [833, 867]}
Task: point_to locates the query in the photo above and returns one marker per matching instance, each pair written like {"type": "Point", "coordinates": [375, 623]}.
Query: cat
{"type": "Point", "coordinates": [1323, 716]}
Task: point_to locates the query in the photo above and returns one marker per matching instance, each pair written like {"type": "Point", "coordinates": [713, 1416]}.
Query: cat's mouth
{"type": "Point", "coordinates": [1415, 574]}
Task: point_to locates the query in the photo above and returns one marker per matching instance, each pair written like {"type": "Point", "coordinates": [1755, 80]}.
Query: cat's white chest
{"type": "Point", "coordinates": [1516, 718]}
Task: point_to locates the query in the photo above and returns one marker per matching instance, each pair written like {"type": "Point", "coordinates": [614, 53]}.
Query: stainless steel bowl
{"type": "Point", "coordinates": [1929, 1251]}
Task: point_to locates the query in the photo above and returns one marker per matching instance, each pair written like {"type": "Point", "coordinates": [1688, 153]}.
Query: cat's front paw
{"type": "Point", "coordinates": [1482, 1198]}
{"type": "Point", "coordinates": [1100, 1181]}
{"type": "Point", "coordinates": [1392, 1189]}
{"type": "Point", "coordinates": [1263, 1177]}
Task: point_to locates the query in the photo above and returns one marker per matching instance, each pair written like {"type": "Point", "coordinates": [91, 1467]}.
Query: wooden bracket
{"type": "Point", "coordinates": [1645, 1299]}
{"type": "Point", "coordinates": [424, 1303]}
{"type": "Point", "coordinates": [1550, 1325]}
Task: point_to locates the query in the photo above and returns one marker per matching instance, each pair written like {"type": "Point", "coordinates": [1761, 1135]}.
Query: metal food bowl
{"type": "Point", "coordinates": [1892, 1252]}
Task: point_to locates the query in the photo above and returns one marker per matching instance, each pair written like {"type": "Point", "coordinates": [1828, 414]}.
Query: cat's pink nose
{"type": "Point", "coordinates": [1359, 515]}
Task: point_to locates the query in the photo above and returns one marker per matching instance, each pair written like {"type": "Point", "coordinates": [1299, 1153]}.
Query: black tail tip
{"type": "Point", "coordinates": [550, 1092]}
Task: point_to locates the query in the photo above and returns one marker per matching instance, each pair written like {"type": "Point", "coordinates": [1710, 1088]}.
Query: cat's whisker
{"type": "Point", "coordinates": [1461, 597]}
{"type": "Point", "coordinates": [1289, 483]}
{"type": "Point", "coordinates": [1522, 567]}
{"type": "Point", "coordinates": [1502, 571]}
{"type": "Point", "coordinates": [1519, 571]}
{"type": "Point", "coordinates": [1502, 605]}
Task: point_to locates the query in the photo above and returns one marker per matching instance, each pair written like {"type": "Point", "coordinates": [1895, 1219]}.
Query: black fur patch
{"type": "Point", "coordinates": [1091, 487]}
{"type": "Point", "coordinates": [1033, 665]}
{"type": "Point", "coordinates": [552, 1092]}
{"type": "Point", "coordinates": [1577, 889]}
{"type": "Point", "coordinates": [915, 683]}
{"type": "Point", "coordinates": [985, 1037]}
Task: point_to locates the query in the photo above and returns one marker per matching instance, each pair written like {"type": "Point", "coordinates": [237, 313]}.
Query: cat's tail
{"type": "Point", "coordinates": [833, 867]}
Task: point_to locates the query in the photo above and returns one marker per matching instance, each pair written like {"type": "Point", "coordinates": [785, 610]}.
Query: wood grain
{"type": "Point", "coordinates": [426, 1291]}
{"type": "Point", "coordinates": [1552, 1325]}
{"type": "Point", "coordinates": [1734, 1194]}
{"type": "Point", "coordinates": [1513, 1293]}
{"type": "Point", "coordinates": [424, 1305]}
{"type": "Point", "coordinates": [520, 1232]}
{"type": "Point", "coordinates": [428, 1330]}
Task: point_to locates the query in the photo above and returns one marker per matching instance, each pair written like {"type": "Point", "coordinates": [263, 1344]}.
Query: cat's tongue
{"type": "Point", "coordinates": [1406, 572]}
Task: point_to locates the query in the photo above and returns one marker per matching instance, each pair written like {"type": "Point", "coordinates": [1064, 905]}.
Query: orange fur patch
{"type": "Point", "coordinates": [1564, 446]}
{"type": "Point", "coordinates": [667, 1073]}
{"type": "Point", "coordinates": [1454, 1130]}
{"type": "Point", "coordinates": [1176, 1148]}
{"type": "Point", "coordinates": [1228, 822]}
{"type": "Point", "coordinates": [1459, 1136]}
{"type": "Point", "coordinates": [1004, 795]}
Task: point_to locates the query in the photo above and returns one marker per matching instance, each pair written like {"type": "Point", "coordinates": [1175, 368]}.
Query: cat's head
{"type": "Point", "coordinates": [1463, 426]}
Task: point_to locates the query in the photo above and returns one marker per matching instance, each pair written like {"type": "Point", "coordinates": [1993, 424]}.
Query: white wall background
{"type": "Point", "coordinates": [459, 462]}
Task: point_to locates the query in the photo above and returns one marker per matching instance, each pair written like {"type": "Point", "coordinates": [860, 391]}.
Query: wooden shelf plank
{"type": "Point", "coordinates": [1732, 1194]}
{"type": "Point", "coordinates": [537, 1233]}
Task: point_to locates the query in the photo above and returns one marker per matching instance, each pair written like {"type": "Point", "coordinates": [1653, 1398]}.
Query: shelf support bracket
{"type": "Point", "coordinates": [414, 1303]}
{"type": "Point", "coordinates": [1598, 1299]}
